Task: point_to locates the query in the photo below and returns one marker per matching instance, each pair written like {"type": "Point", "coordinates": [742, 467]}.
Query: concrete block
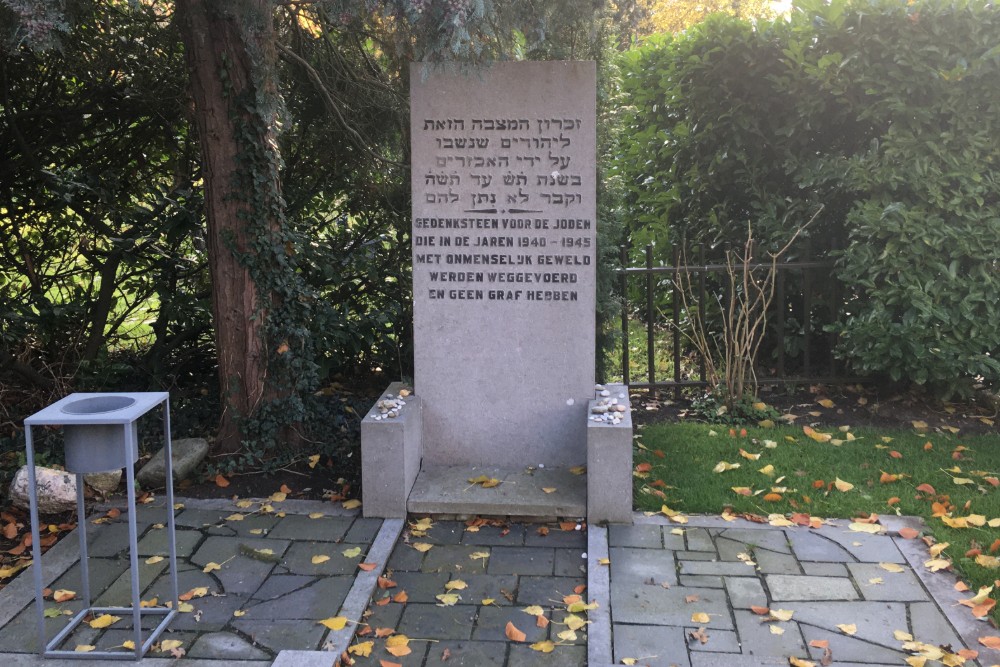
{"type": "Point", "coordinates": [609, 459]}
{"type": "Point", "coordinates": [390, 455]}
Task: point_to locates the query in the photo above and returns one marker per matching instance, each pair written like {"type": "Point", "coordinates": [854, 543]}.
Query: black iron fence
{"type": "Point", "coordinates": [796, 347]}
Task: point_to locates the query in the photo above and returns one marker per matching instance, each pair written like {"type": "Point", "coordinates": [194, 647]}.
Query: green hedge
{"type": "Point", "coordinates": [885, 112]}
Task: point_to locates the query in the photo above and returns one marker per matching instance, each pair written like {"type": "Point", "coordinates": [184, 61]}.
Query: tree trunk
{"type": "Point", "coordinates": [226, 44]}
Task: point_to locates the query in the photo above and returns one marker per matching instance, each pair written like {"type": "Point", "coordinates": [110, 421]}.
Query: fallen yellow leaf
{"type": "Point", "coordinates": [826, 402]}
{"type": "Point", "coordinates": [891, 567]}
{"type": "Point", "coordinates": [848, 628]}
{"type": "Point", "coordinates": [989, 562]}
{"type": "Point", "coordinates": [422, 547]}
{"type": "Point", "coordinates": [842, 486]}
{"type": "Point", "coordinates": [533, 610]}
{"type": "Point", "coordinates": [364, 649]}
{"type": "Point", "coordinates": [84, 648]}
{"type": "Point", "coordinates": [354, 503]}
{"type": "Point", "coordinates": [872, 528]}
{"type": "Point", "coordinates": [723, 466]}
{"type": "Point", "coordinates": [353, 552]}
{"type": "Point", "coordinates": [513, 634]}
{"type": "Point", "coordinates": [448, 599]}
{"type": "Point", "coordinates": [103, 621]}
{"type": "Point", "coordinates": [700, 617]}
{"type": "Point", "coordinates": [320, 558]}
{"type": "Point", "coordinates": [153, 560]}
{"type": "Point", "coordinates": [168, 645]}
{"type": "Point", "coordinates": [543, 646]}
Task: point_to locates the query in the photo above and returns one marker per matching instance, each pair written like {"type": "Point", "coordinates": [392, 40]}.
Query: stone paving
{"type": "Point", "coordinates": [705, 593]}
{"type": "Point", "coordinates": [655, 583]}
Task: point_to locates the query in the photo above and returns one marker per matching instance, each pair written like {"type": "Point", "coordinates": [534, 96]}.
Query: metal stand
{"type": "Point", "coordinates": [101, 434]}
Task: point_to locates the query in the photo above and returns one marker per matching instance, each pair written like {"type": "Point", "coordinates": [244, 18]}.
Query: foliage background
{"type": "Point", "coordinates": [885, 114]}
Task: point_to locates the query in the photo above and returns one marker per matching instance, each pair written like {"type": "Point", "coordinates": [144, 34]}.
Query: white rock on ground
{"type": "Point", "coordinates": [56, 490]}
{"type": "Point", "coordinates": [104, 482]}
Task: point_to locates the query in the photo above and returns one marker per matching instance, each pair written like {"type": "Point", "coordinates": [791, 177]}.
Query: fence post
{"type": "Point", "coordinates": [650, 337]}
{"type": "Point", "coordinates": [624, 289]}
{"type": "Point", "coordinates": [677, 322]}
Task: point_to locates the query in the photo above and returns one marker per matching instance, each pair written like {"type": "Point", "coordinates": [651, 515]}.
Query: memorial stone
{"type": "Point", "coordinates": [504, 241]}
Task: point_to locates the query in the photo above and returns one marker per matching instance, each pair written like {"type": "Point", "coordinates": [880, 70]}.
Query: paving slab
{"type": "Point", "coordinates": [793, 587]}
{"type": "Point", "coordinates": [651, 645]}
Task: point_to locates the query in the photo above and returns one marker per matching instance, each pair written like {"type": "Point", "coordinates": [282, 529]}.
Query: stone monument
{"type": "Point", "coordinates": [504, 273]}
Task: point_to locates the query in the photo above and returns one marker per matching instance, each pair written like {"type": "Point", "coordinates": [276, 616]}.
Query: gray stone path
{"type": "Point", "coordinates": [699, 594]}
{"type": "Point", "coordinates": [652, 583]}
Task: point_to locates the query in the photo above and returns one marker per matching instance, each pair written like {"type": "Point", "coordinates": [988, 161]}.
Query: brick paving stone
{"type": "Point", "coordinates": [252, 525]}
{"type": "Point", "coordinates": [225, 646]}
{"type": "Point", "coordinates": [480, 586]}
{"type": "Point", "coordinates": [492, 622]}
{"type": "Point", "coordinates": [446, 557]}
{"type": "Point", "coordinates": [466, 654]}
{"type": "Point", "coordinates": [216, 613]}
{"type": "Point", "coordinates": [154, 542]}
{"type": "Point", "coordinates": [731, 549]}
{"type": "Point", "coordinates": [546, 591]}
{"type": "Point", "coordinates": [642, 536]}
{"type": "Point", "coordinates": [103, 571]}
{"type": "Point", "coordinates": [745, 592]}
{"type": "Point", "coordinates": [298, 559]}
{"type": "Point", "coordinates": [323, 529]}
{"type": "Point", "coordinates": [419, 586]}
{"type": "Point", "coordinates": [696, 555]}
{"type": "Point", "coordinates": [809, 546]}
{"type": "Point", "coordinates": [431, 621]}
{"type": "Point", "coordinates": [719, 641]}
{"type": "Point", "coordinates": [556, 537]}
{"type": "Point", "coordinates": [845, 648]}
{"type": "Point", "coordinates": [511, 536]}
{"type": "Point", "coordinates": [896, 586]}
{"type": "Point", "coordinates": [562, 656]}
{"type": "Point", "coordinates": [673, 541]}
{"type": "Point", "coordinates": [277, 635]}
{"type": "Point", "coordinates": [383, 617]}
{"type": "Point", "coordinates": [928, 624]}
{"type": "Point", "coordinates": [198, 518]}
{"type": "Point", "coordinates": [654, 605]}
{"type": "Point", "coordinates": [241, 574]}
{"type": "Point", "coordinates": [652, 645]}
{"type": "Point", "coordinates": [737, 660]}
{"type": "Point", "coordinates": [569, 563]}
{"type": "Point", "coordinates": [698, 539]}
{"type": "Point", "coordinates": [864, 547]}
{"type": "Point", "coordinates": [792, 587]}
{"type": "Point", "coordinates": [875, 620]}
{"type": "Point", "coordinates": [824, 569]}
{"type": "Point", "coordinates": [281, 584]}
{"type": "Point", "coordinates": [119, 593]}
{"type": "Point", "coordinates": [363, 531]}
{"type": "Point", "coordinates": [770, 562]}
{"type": "Point", "coordinates": [715, 567]}
{"type": "Point", "coordinates": [757, 639]}
{"type": "Point", "coordinates": [320, 600]}
{"type": "Point", "coordinates": [109, 539]}
{"type": "Point", "coordinates": [700, 581]}
{"type": "Point", "coordinates": [521, 560]}
{"type": "Point", "coordinates": [632, 565]}
{"type": "Point", "coordinates": [772, 540]}
{"type": "Point", "coordinates": [405, 558]}
{"type": "Point", "coordinates": [558, 618]}
{"type": "Point", "coordinates": [444, 532]}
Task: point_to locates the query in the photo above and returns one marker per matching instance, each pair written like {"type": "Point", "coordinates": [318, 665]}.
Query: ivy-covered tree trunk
{"type": "Point", "coordinates": [229, 48]}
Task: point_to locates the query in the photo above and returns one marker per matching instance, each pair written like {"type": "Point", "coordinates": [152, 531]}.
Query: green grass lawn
{"type": "Point", "coordinates": [962, 471]}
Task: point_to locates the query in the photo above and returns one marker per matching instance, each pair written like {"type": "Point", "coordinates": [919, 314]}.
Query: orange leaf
{"type": "Point", "coordinates": [400, 597]}
{"type": "Point", "coordinates": [896, 455]}
{"type": "Point", "coordinates": [968, 653]}
{"type": "Point", "coordinates": [399, 651]}
{"type": "Point", "coordinates": [819, 643]}
{"type": "Point", "coordinates": [10, 530]}
{"type": "Point", "coordinates": [579, 589]}
{"type": "Point", "coordinates": [990, 642]}
{"type": "Point", "coordinates": [513, 634]}
{"type": "Point", "coordinates": [980, 610]}
{"type": "Point", "coordinates": [892, 501]}
{"type": "Point", "coordinates": [382, 633]}
{"type": "Point", "coordinates": [114, 512]}
{"type": "Point", "coordinates": [928, 446]}
{"type": "Point", "coordinates": [541, 621]}
{"type": "Point", "coordinates": [818, 484]}
{"type": "Point", "coordinates": [386, 663]}
{"type": "Point", "coordinates": [385, 583]}
{"type": "Point", "coordinates": [760, 611]}
{"type": "Point", "coordinates": [908, 533]}
{"type": "Point", "coordinates": [644, 467]}
{"type": "Point", "coordinates": [367, 567]}
{"type": "Point", "coordinates": [995, 546]}
{"type": "Point", "coordinates": [570, 599]}
{"type": "Point", "coordinates": [961, 586]}
{"type": "Point", "coordinates": [567, 525]}
{"type": "Point", "coordinates": [543, 530]}
{"type": "Point", "coordinates": [221, 481]}
{"type": "Point", "coordinates": [888, 478]}
{"type": "Point", "coordinates": [927, 488]}
{"type": "Point", "coordinates": [972, 553]}
{"type": "Point", "coordinates": [992, 481]}
{"type": "Point", "coordinates": [284, 489]}
{"type": "Point", "coordinates": [772, 497]}
{"type": "Point", "coordinates": [382, 602]}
